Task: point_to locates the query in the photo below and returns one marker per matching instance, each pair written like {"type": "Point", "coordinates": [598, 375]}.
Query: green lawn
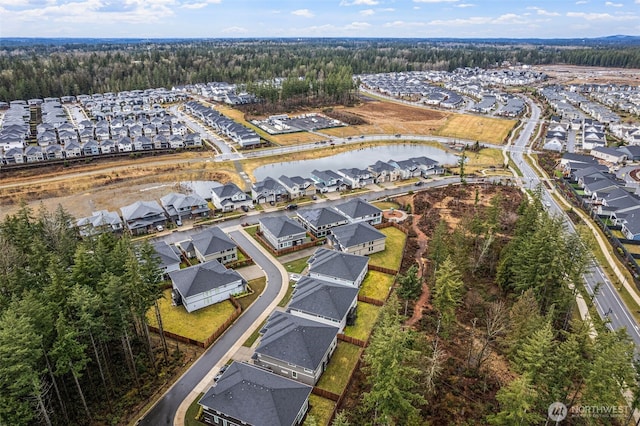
{"type": "Point", "coordinates": [321, 410]}
{"type": "Point", "coordinates": [192, 411]}
{"type": "Point", "coordinates": [257, 286]}
{"type": "Point", "coordinates": [391, 256]}
{"type": "Point", "coordinates": [254, 336]}
{"type": "Point", "coordinates": [367, 315]}
{"type": "Point", "coordinates": [376, 285]}
{"type": "Point", "coordinates": [342, 362]}
{"type": "Point", "coordinates": [617, 233]}
{"type": "Point", "coordinates": [386, 205]}
{"type": "Point", "coordinates": [297, 266]}
{"type": "Point", "coordinates": [198, 325]}
{"type": "Point", "coordinates": [632, 248]}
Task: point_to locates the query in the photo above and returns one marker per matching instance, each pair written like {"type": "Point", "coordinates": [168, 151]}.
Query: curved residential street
{"type": "Point", "coordinates": [196, 379]}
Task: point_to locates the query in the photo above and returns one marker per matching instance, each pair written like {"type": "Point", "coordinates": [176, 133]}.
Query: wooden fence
{"type": "Point", "coordinates": [213, 337]}
{"type": "Point", "coordinates": [381, 269]}
{"type": "Point", "coordinates": [370, 300]}
{"type": "Point", "coordinates": [352, 340]}
{"type": "Point", "coordinates": [314, 242]}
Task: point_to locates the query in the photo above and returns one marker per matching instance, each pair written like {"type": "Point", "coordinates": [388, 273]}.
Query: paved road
{"type": "Point", "coordinates": [164, 411]}
{"type": "Point", "coordinates": [607, 301]}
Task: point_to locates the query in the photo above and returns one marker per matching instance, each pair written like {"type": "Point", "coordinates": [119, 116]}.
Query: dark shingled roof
{"type": "Point", "coordinates": [296, 340]}
{"type": "Point", "coordinates": [212, 240]}
{"type": "Point", "coordinates": [322, 298]}
{"type": "Point", "coordinates": [337, 264]}
{"type": "Point", "coordinates": [321, 216]}
{"type": "Point", "coordinates": [355, 233]}
{"type": "Point", "coordinates": [203, 277]}
{"type": "Point", "coordinates": [357, 207]}
{"type": "Point", "coordinates": [256, 397]}
{"type": "Point", "coordinates": [281, 226]}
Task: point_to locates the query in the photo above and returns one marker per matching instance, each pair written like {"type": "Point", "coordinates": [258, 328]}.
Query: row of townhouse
{"type": "Point", "coordinates": [14, 125]}
{"type": "Point", "coordinates": [294, 349]}
{"type": "Point", "coordinates": [92, 147]}
{"type": "Point", "coordinates": [609, 195]}
{"type": "Point", "coordinates": [243, 136]}
{"type": "Point", "coordinates": [270, 190]}
{"type": "Point", "coordinates": [145, 216]}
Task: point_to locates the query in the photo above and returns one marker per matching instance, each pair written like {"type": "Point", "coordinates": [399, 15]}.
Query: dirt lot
{"type": "Point", "coordinates": [568, 74]}
{"type": "Point", "coordinates": [83, 189]}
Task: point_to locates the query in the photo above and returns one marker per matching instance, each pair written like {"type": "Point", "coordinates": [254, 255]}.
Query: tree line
{"type": "Point", "coordinates": [523, 319]}
{"type": "Point", "coordinates": [53, 70]}
{"type": "Point", "coordinates": [74, 342]}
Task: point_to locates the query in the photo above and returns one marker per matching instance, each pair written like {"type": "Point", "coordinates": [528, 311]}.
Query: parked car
{"type": "Point", "coordinates": [221, 372]}
{"type": "Point", "coordinates": [292, 206]}
{"type": "Point", "coordinates": [160, 228]}
{"type": "Point", "coordinates": [418, 183]}
{"type": "Point", "coordinates": [178, 222]}
{"type": "Point", "coordinates": [244, 208]}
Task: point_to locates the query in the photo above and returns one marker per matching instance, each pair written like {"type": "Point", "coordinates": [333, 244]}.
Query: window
{"type": "Point", "coordinates": [294, 375]}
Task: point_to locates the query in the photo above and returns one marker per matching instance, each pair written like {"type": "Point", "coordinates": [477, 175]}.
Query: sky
{"type": "Point", "coordinates": [319, 18]}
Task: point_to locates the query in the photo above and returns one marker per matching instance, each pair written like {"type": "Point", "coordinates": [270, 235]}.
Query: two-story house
{"type": "Point", "coordinates": [229, 197]}
{"type": "Point", "coordinates": [282, 232]}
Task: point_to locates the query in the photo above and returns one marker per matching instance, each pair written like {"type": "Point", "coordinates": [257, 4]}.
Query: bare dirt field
{"type": "Point", "coordinates": [83, 189]}
{"type": "Point", "coordinates": [571, 74]}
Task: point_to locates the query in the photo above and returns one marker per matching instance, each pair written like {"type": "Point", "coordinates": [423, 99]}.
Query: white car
{"type": "Point", "coordinates": [160, 228]}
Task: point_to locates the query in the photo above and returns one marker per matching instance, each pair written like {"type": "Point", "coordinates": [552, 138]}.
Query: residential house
{"type": "Point", "coordinates": [295, 347]}
{"type": "Point", "coordinates": [357, 238]}
{"type": "Point", "coordinates": [338, 267]}
{"type": "Point", "coordinates": [72, 150]}
{"type": "Point", "coordinates": [407, 168]}
{"type": "Point", "coordinates": [356, 178]}
{"type": "Point", "coordinates": [298, 186]}
{"type": "Point", "coordinates": [384, 172]}
{"type": "Point", "coordinates": [99, 222]}
{"type": "Point", "coordinates": [427, 166]}
{"type": "Point", "coordinates": [610, 155]}
{"type": "Point", "coordinates": [168, 257]}
{"type": "Point", "coordinates": [143, 216]}
{"type": "Point", "coordinates": [282, 232]}
{"type": "Point", "coordinates": [319, 221]}
{"type": "Point", "coordinates": [268, 190]}
{"type": "Point", "coordinates": [328, 181]}
{"type": "Point", "coordinates": [90, 147]}
{"type": "Point", "coordinates": [125, 144]}
{"type": "Point", "coordinates": [33, 153]}
{"type": "Point", "coordinates": [180, 206]}
{"type": "Point", "coordinates": [248, 395]}
{"type": "Point", "coordinates": [325, 302]}
{"type": "Point", "coordinates": [358, 210]}
{"type": "Point", "coordinates": [229, 197]}
{"type": "Point", "coordinates": [213, 243]}
{"type": "Point", "coordinates": [53, 152]}
{"type": "Point", "coordinates": [108, 146]}
{"type": "Point", "coordinates": [205, 284]}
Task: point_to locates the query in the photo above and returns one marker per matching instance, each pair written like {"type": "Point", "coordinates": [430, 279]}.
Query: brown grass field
{"type": "Point", "coordinates": [478, 128]}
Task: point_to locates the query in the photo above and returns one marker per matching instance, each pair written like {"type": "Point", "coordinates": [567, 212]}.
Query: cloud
{"type": "Point", "coordinates": [507, 18]}
{"type": "Point", "coordinates": [465, 5]}
{"type": "Point", "coordinates": [601, 16]}
{"type": "Point", "coordinates": [359, 3]}
{"type": "Point", "coordinates": [305, 13]}
{"type": "Point", "coordinates": [543, 12]}
{"type": "Point", "coordinates": [367, 12]}
{"type": "Point", "coordinates": [14, 3]}
{"type": "Point", "coordinates": [234, 30]}
{"type": "Point", "coordinates": [612, 4]}
{"type": "Point", "coordinates": [357, 26]}
{"type": "Point", "coordinates": [403, 24]}
{"type": "Point", "coordinates": [199, 5]}
{"type": "Point", "coordinates": [582, 2]}
{"type": "Point", "coordinates": [391, 9]}
{"type": "Point", "coordinates": [435, 1]}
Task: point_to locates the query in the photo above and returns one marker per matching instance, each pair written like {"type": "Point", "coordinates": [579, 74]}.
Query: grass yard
{"type": "Point", "coordinates": [391, 256]}
{"type": "Point", "coordinates": [287, 296]}
{"type": "Point", "coordinates": [617, 233]}
{"type": "Point", "coordinates": [198, 325]}
{"type": "Point", "coordinates": [386, 205]}
{"type": "Point", "coordinates": [632, 248]}
{"type": "Point", "coordinates": [367, 315]}
{"type": "Point", "coordinates": [476, 128]}
{"type": "Point", "coordinates": [343, 361]}
{"type": "Point", "coordinates": [483, 159]}
{"type": "Point", "coordinates": [192, 411]}
{"type": "Point", "coordinates": [296, 138]}
{"type": "Point", "coordinates": [297, 266]}
{"type": "Point", "coordinates": [254, 336]}
{"type": "Point", "coordinates": [376, 285]}
{"type": "Point", "coordinates": [257, 286]}
{"type": "Point", "coordinates": [321, 410]}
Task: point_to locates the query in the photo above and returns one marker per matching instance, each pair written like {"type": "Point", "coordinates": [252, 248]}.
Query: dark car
{"type": "Point", "coordinates": [292, 206]}
{"type": "Point", "coordinates": [245, 208]}
{"type": "Point", "coordinates": [221, 372]}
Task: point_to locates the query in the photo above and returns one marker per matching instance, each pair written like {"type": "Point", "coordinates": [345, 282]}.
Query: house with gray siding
{"type": "Point", "coordinates": [282, 232]}
{"type": "Point", "coordinates": [319, 221]}
{"type": "Point", "coordinates": [213, 243]}
{"type": "Point", "coordinates": [357, 238]}
{"type": "Point", "coordinates": [338, 267]}
{"type": "Point", "coordinates": [358, 210]}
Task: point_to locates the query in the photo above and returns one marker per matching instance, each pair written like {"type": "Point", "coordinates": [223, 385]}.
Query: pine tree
{"type": "Point", "coordinates": [518, 404]}
{"type": "Point", "coordinates": [447, 293]}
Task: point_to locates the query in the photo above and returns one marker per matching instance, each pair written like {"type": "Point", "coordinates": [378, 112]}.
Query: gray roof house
{"type": "Point", "coordinates": [319, 221]}
{"type": "Point", "coordinates": [143, 216]}
{"type": "Point", "coordinates": [248, 395]}
{"type": "Point", "coordinates": [325, 302]}
{"type": "Point", "coordinates": [213, 243]}
{"type": "Point", "coordinates": [295, 347]}
{"type": "Point", "coordinates": [358, 210]}
{"type": "Point", "coordinates": [180, 205]}
{"type": "Point", "coordinates": [328, 181]}
{"type": "Point", "coordinates": [356, 178]}
{"type": "Point", "coordinates": [384, 172]}
{"type": "Point", "coordinates": [205, 284]}
{"type": "Point", "coordinates": [338, 267]}
{"type": "Point", "coordinates": [229, 197]}
{"type": "Point", "coordinates": [357, 238]}
{"type": "Point", "coordinates": [282, 232]}
{"type": "Point", "coordinates": [169, 259]}
{"type": "Point", "coordinates": [98, 222]}
{"type": "Point", "coordinates": [298, 186]}
{"type": "Point", "coordinates": [268, 190]}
